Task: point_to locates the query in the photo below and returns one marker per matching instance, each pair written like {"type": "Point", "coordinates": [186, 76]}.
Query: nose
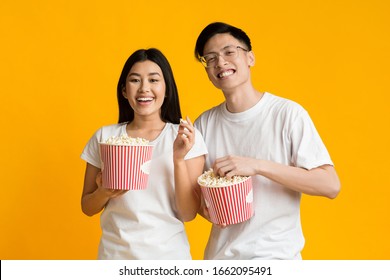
{"type": "Point", "coordinates": [221, 60]}
{"type": "Point", "coordinates": [144, 87]}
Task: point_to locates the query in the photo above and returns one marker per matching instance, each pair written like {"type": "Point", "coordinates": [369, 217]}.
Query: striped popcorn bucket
{"type": "Point", "coordinates": [229, 204]}
{"type": "Point", "coordinates": [125, 167]}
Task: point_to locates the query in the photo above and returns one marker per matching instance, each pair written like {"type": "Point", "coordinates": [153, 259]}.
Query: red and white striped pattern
{"type": "Point", "coordinates": [229, 204]}
{"type": "Point", "coordinates": [121, 166]}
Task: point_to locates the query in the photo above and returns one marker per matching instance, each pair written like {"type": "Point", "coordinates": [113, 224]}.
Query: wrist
{"type": "Point", "coordinates": [103, 192]}
{"type": "Point", "coordinates": [260, 167]}
{"type": "Point", "coordinates": [178, 161]}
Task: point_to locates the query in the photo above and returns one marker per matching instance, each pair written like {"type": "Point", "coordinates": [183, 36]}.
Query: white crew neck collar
{"type": "Point", "coordinates": [247, 114]}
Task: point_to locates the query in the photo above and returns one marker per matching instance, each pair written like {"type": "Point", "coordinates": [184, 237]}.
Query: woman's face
{"type": "Point", "coordinates": [145, 89]}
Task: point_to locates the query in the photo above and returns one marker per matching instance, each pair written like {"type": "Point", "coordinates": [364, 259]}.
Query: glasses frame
{"type": "Point", "coordinates": [204, 62]}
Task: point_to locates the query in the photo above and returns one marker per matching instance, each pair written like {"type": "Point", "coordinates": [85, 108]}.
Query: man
{"type": "Point", "coordinates": [264, 136]}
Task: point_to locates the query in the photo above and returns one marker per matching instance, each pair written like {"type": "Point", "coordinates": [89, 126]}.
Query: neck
{"type": "Point", "coordinates": [240, 100]}
{"type": "Point", "coordinates": [145, 128]}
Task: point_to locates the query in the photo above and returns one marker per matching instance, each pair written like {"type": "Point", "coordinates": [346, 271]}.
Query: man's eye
{"type": "Point", "coordinates": [229, 53]}
{"type": "Point", "coordinates": [210, 58]}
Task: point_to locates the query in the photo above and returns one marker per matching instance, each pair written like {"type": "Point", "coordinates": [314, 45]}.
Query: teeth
{"type": "Point", "coordinates": [145, 99]}
{"type": "Point", "coordinates": [226, 73]}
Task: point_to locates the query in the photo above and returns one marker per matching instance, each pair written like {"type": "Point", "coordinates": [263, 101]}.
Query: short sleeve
{"type": "Point", "coordinates": [199, 147]}
{"type": "Point", "coordinates": [91, 150]}
{"type": "Point", "coordinates": [308, 149]}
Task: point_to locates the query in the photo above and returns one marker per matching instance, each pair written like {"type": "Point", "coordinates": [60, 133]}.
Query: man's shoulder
{"type": "Point", "coordinates": [210, 112]}
{"type": "Point", "coordinates": [208, 117]}
{"type": "Point", "coordinates": [284, 104]}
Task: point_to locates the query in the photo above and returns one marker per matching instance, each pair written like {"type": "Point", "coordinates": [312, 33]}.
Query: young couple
{"type": "Point", "coordinates": [252, 133]}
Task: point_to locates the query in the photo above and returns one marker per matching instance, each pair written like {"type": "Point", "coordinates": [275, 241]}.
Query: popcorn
{"type": "Point", "coordinates": [229, 201]}
{"type": "Point", "coordinates": [209, 179]}
{"type": "Point", "coordinates": [126, 140]}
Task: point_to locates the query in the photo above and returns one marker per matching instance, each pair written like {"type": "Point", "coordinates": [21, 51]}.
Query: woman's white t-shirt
{"type": "Point", "coordinates": [144, 224]}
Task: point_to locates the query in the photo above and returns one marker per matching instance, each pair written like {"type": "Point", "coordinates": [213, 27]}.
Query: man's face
{"type": "Point", "coordinates": [228, 71]}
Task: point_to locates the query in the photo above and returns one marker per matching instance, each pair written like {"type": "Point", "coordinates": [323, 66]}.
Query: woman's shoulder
{"type": "Point", "coordinates": [107, 131]}
{"type": "Point", "coordinates": [113, 127]}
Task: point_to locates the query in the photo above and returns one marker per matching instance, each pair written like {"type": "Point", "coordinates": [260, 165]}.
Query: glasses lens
{"type": "Point", "coordinates": [230, 52]}
{"type": "Point", "coordinates": [210, 60]}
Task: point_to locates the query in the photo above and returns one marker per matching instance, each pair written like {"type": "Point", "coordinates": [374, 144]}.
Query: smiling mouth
{"type": "Point", "coordinates": [145, 99]}
{"type": "Point", "coordinates": [225, 74]}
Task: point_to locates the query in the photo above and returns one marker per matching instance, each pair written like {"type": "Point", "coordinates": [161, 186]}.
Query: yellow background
{"type": "Point", "coordinates": [60, 62]}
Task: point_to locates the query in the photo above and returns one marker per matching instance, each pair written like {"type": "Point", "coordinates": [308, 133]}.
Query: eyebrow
{"type": "Point", "coordinates": [227, 46]}
{"type": "Point", "coordinates": [150, 74]}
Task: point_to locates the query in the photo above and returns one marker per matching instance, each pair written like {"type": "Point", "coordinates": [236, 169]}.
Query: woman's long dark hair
{"type": "Point", "coordinates": [170, 109]}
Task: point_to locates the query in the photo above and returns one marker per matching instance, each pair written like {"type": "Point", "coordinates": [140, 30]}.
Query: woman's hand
{"type": "Point", "coordinates": [111, 193]}
{"type": "Point", "coordinates": [185, 139]}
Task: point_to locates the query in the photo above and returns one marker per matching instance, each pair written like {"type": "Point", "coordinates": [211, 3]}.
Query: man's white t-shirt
{"type": "Point", "coordinates": [144, 224]}
{"type": "Point", "coordinates": [278, 130]}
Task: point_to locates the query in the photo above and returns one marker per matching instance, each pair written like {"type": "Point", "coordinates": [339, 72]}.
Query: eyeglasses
{"type": "Point", "coordinates": [228, 53]}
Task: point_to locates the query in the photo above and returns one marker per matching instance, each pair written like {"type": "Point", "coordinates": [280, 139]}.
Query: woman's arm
{"type": "Point", "coordinates": [95, 197]}
{"type": "Point", "coordinates": [187, 191]}
{"type": "Point", "coordinates": [186, 172]}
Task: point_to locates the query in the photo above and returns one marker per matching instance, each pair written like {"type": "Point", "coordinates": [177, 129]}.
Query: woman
{"type": "Point", "coordinates": [146, 224]}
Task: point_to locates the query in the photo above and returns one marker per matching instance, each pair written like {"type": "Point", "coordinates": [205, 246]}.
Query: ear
{"type": "Point", "coordinates": [124, 92]}
{"type": "Point", "coordinates": [251, 57]}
